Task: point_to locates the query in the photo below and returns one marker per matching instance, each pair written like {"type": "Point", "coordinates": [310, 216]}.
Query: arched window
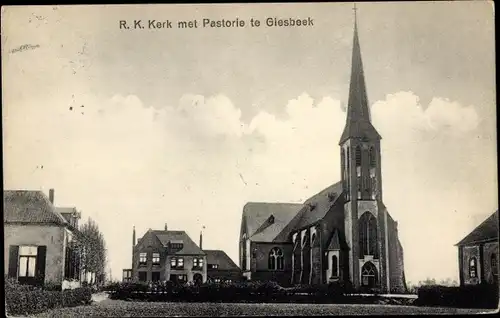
{"type": "Point", "coordinates": [369, 275]}
{"type": "Point", "coordinates": [342, 165]}
{"type": "Point", "coordinates": [276, 259]}
{"type": "Point", "coordinates": [473, 267]}
{"type": "Point", "coordinates": [358, 156]}
{"type": "Point", "coordinates": [368, 236]}
{"type": "Point", "coordinates": [313, 239]}
{"type": "Point", "coordinates": [304, 240]}
{"type": "Point", "coordinates": [335, 266]}
{"type": "Point", "coordinates": [348, 182]}
{"type": "Point", "coordinates": [373, 159]}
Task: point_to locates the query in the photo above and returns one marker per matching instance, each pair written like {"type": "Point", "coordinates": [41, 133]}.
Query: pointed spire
{"type": "Point", "coordinates": [358, 123]}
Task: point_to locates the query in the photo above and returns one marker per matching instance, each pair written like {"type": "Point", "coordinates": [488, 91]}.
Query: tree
{"type": "Point", "coordinates": [94, 250]}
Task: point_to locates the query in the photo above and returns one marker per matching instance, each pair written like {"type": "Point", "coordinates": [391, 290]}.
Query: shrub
{"type": "Point", "coordinates": [246, 291]}
{"type": "Point", "coordinates": [28, 300]}
{"type": "Point", "coordinates": [473, 296]}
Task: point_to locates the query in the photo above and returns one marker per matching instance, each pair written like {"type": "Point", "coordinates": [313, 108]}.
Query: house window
{"type": "Point", "coordinates": [127, 274]}
{"type": "Point", "coordinates": [304, 240]}
{"type": "Point", "coordinates": [180, 262]}
{"type": "Point", "coordinates": [335, 266]}
{"type": "Point", "coordinates": [182, 278]}
{"type": "Point", "coordinates": [229, 281]}
{"type": "Point", "coordinates": [143, 276]}
{"type": "Point", "coordinates": [473, 267]}
{"type": "Point", "coordinates": [213, 266]}
{"type": "Point", "coordinates": [27, 261]}
{"type": "Point", "coordinates": [368, 237]}
{"type": "Point", "coordinates": [155, 276]}
{"type": "Point", "coordinates": [198, 263]}
{"type": "Point", "coordinates": [143, 258]}
{"type": "Point", "coordinates": [177, 262]}
{"type": "Point", "coordinates": [276, 259]}
{"type": "Point", "coordinates": [156, 258]}
{"type": "Point", "coordinates": [217, 280]}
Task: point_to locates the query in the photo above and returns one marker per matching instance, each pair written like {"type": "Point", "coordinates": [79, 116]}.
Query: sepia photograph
{"type": "Point", "coordinates": [250, 159]}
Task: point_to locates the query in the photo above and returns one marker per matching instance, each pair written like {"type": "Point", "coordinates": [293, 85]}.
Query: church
{"type": "Point", "coordinates": [344, 233]}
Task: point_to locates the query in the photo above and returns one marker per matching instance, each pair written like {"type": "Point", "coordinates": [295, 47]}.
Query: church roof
{"type": "Point", "coordinates": [220, 258]}
{"type": "Point", "coordinates": [27, 206]}
{"type": "Point", "coordinates": [264, 221]}
{"type": "Point", "coordinates": [189, 247]}
{"type": "Point", "coordinates": [319, 205]}
{"type": "Point", "coordinates": [358, 123]}
{"type": "Point", "coordinates": [313, 210]}
{"type": "Point", "coordinates": [486, 231]}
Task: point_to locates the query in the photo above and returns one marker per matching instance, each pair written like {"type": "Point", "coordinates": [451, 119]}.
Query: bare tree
{"type": "Point", "coordinates": [94, 250]}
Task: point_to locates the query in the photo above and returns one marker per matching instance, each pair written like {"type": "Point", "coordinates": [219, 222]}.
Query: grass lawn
{"type": "Point", "coordinates": [120, 308]}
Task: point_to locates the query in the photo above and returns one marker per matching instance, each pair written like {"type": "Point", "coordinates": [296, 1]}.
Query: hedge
{"type": "Point", "coordinates": [235, 292]}
{"type": "Point", "coordinates": [471, 296]}
{"type": "Point", "coordinates": [28, 300]}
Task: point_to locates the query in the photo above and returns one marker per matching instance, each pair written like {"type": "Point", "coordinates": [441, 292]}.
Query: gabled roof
{"type": "Point", "coordinates": [27, 206]}
{"type": "Point", "coordinates": [334, 243]}
{"type": "Point", "coordinates": [188, 246]}
{"type": "Point", "coordinates": [220, 258]}
{"type": "Point", "coordinates": [486, 231]}
{"type": "Point", "coordinates": [260, 227]}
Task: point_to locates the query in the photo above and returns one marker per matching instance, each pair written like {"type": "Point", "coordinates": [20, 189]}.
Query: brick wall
{"type": "Point", "coordinates": [259, 260]}
{"type": "Point", "coordinates": [51, 236]}
{"type": "Point", "coordinates": [468, 252]}
{"type": "Point", "coordinates": [488, 250]}
{"type": "Point", "coordinates": [396, 259]}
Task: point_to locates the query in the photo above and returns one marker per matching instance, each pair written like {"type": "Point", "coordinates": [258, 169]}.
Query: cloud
{"type": "Point", "coordinates": [197, 163]}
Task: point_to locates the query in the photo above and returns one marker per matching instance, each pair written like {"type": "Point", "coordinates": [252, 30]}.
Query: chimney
{"type": "Point", "coordinates": [51, 196]}
{"type": "Point", "coordinates": [201, 240]}
{"type": "Point", "coordinates": [133, 237]}
{"type": "Point", "coordinates": [166, 227]}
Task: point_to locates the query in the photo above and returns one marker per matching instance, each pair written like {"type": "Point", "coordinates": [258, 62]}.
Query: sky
{"type": "Point", "coordinates": [184, 126]}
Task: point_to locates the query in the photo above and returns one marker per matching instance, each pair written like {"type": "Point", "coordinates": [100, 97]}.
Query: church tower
{"type": "Point", "coordinates": [365, 218]}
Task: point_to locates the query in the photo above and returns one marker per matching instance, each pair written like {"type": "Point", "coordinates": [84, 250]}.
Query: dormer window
{"type": "Point", "coordinates": [312, 206]}
{"type": "Point", "coordinates": [176, 245]}
{"type": "Point", "coordinates": [271, 219]}
{"type": "Point", "coordinates": [332, 196]}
